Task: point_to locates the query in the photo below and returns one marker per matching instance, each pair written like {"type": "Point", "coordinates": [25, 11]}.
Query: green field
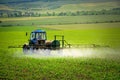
{"type": "Point", "coordinates": [43, 6]}
{"type": "Point", "coordinates": [102, 33]}
{"type": "Point", "coordinates": [94, 25]}
{"type": "Point", "coordinates": [103, 64]}
{"type": "Point", "coordinates": [59, 20]}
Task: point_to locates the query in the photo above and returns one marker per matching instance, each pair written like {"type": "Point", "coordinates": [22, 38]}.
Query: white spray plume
{"type": "Point", "coordinates": [75, 53]}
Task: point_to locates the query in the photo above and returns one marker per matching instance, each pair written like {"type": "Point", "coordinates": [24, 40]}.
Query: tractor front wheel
{"type": "Point", "coordinates": [25, 48]}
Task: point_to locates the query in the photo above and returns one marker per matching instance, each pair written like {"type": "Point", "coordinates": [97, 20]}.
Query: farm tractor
{"type": "Point", "coordinates": [38, 40]}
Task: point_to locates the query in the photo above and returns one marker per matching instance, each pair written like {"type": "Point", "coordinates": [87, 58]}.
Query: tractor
{"type": "Point", "coordinates": [38, 40]}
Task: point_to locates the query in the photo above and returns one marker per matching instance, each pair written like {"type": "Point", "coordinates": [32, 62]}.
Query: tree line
{"type": "Point", "coordinates": [115, 11]}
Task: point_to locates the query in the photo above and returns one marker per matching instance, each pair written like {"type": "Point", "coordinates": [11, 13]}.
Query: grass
{"type": "Point", "coordinates": [89, 6]}
{"type": "Point", "coordinates": [61, 6]}
{"type": "Point", "coordinates": [102, 65]}
{"type": "Point", "coordinates": [101, 34]}
{"type": "Point", "coordinates": [4, 7]}
{"type": "Point", "coordinates": [84, 68]}
{"type": "Point", "coordinates": [82, 26]}
{"type": "Point", "coordinates": [57, 20]}
{"type": "Point", "coordinates": [58, 68]}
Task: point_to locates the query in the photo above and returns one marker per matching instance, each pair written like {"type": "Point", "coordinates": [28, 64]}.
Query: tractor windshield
{"type": "Point", "coordinates": [41, 36]}
{"type": "Point", "coordinates": [38, 35]}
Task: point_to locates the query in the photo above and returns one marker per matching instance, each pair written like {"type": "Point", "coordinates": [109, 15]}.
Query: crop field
{"type": "Point", "coordinates": [59, 20]}
{"type": "Point", "coordinates": [91, 27]}
{"type": "Point", "coordinates": [60, 6]}
{"type": "Point", "coordinates": [101, 63]}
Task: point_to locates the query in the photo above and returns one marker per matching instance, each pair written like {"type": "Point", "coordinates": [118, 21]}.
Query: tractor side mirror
{"type": "Point", "coordinates": [26, 33]}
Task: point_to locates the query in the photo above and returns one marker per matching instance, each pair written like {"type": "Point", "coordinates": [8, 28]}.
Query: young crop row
{"type": "Point", "coordinates": [57, 68]}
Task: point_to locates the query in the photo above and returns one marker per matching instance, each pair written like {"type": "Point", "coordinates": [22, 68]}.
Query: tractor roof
{"type": "Point", "coordinates": [38, 31]}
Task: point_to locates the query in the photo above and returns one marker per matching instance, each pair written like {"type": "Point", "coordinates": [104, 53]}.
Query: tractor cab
{"type": "Point", "coordinates": [38, 37]}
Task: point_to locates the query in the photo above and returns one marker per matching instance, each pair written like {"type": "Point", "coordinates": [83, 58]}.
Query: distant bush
{"type": "Point", "coordinates": [114, 11]}
{"type": "Point", "coordinates": [6, 25]}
